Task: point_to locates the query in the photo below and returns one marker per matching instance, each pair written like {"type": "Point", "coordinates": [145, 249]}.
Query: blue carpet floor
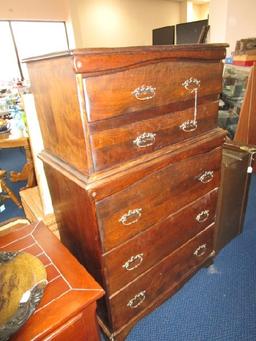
{"type": "Point", "coordinates": [217, 304]}
{"type": "Point", "coordinates": [12, 160]}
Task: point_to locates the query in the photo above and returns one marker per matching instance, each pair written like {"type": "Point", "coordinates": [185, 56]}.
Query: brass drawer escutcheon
{"type": "Point", "coordinates": [145, 140]}
{"type": "Point", "coordinates": [201, 250]}
{"type": "Point", "coordinates": [137, 300]}
{"type": "Point", "coordinates": [144, 92]}
{"type": "Point", "coordinates": [207, 176]}
{"type": "Point", "coordinates": [189, 126]}
{"type": "Point", "coordinates": [133, 262]}
{"type": "Point", "coordinates": [131, 217]}
{"type": "Point", "coordinates": [203, 216]}
{"type": "Point", "coordinates": [192, 85]}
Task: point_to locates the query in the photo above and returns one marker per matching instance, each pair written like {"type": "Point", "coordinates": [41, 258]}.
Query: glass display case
{"type": "Point", "coordinates": [234, 85]}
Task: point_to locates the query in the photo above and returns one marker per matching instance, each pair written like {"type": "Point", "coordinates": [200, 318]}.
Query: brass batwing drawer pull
{"type": "Point", "coordinates": [137, 300]}
{"type": "Point", "coordinates": [145, 140]}
{"type": "Point", "coordinates": [189, 126]}
{"type": "Point", "coordinates": [144, 92]}
{"type": "Point", "coordinates": [207, 176]}
{"type": "Point", "coordinates": [201, 250]}
{"type": "Point", "coordinates": [133, 262]}
{"type": "Point", "coordinates": [203, 216]}
{"type": "Point", "coordinates": [192, 85]}
{"type": "Point", "coordinates": [131, 217]}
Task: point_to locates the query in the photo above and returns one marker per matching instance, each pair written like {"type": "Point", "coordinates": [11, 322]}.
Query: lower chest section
{"type": "Point", "coordinates": [149, 234]}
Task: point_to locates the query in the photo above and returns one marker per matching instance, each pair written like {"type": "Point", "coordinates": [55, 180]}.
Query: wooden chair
{"type": "Point", "coordinates": [7, 193]}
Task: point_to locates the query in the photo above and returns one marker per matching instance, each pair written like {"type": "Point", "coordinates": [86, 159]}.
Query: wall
{"type": "Point", "coordinates": [191, 11]}
{"type": "Point", "coordinates": [204, 11]}
{"type": "Point", "coordinates": [232, 20]}
{"type": "Point", "coordinates": [101, 23]}
{"type": "Point", "coordinates": [241, 22]}
{"type": "Point", "coordinates": [34, 9]}
{"type": "Point", "coordinates": [183, 11]}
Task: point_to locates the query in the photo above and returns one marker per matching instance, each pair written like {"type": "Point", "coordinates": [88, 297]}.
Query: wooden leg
{"type": "Point", "coordinates": [208, 263]}
{"type": "Point", "coordinates": [27, 173]}
{"type": "Point", "coordinates": [10, 194]}
{"type": "Point", "coordinates": [119, 335]}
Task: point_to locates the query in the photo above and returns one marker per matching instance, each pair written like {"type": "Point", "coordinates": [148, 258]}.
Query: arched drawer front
{"type": "Point", "coordinates": [148, 86]}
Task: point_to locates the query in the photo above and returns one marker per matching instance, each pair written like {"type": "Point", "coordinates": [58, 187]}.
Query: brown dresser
{"type": "Point", "coordinates": [132, 157]}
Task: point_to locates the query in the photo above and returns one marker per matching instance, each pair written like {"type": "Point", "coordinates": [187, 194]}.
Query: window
{"type": "Point", "coordinates": [9, 68]}
{"type": "Point", "coordinates": [31, 38]}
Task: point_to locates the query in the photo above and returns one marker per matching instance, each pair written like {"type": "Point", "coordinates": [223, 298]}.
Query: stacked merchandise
{"type": "Point", "coordinates": [234, 83]}
{"type": "Point", "coordinates": [245, 52]}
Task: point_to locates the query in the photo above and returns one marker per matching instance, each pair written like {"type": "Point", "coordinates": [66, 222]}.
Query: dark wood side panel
{"type": "Point", "coordinates": [114, 94]}
{"type": "Point", "coordinates": [246, 128]}
{"type": "Point", "coordinates": [55, 90]}
{"type": "Point", "coordinates": [155, 197]}
{"type": "Point", "coordinates": [76, 220]}
{"type": "Point", "coordinates": [232, 200]}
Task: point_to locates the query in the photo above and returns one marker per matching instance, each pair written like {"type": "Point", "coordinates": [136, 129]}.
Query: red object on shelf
{"type": "Point", "coordinates": [244, 63]}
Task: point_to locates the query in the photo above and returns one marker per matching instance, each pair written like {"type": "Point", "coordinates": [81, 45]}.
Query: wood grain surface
{"type": "Point", "coordinates": [70, 290]}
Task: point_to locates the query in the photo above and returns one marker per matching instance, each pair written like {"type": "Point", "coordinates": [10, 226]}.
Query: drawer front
{"type": "Point", "coordinates": [167, 274]}
{"type": "Point", "coordinates": [126, 141]}
{"type": "Point", "coordinates": [130, 259]}
{"type": "Point", "coordinates": [149, 86]}
{"type": "Point", "coordinates": [124, 214]}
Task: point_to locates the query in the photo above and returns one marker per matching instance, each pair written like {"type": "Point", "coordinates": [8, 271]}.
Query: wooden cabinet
{"type": "Point", "coordinates": [233, 195]}
{"type": "Point", "coordinates": [67, 308]}
{"type": "Point", "coordinates": [132, 157]}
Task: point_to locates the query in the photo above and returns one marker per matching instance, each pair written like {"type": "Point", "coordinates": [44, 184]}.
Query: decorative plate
{"type": "Point", "coordinates": [5, 128]}
{"type": "Point", "coordinates": [23, 280]}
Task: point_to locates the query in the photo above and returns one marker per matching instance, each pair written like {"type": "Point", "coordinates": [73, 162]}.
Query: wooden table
{"type": "Point", "coordinates": [14, 139]}
{"type": "Point", "coordinates": [67, 309]}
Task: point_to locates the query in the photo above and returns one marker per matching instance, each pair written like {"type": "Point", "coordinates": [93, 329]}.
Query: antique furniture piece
{"type": "Point", "coordinates": [132, 156]}
{"type": "Point", "coordinates": [67, 308]}
{"type": "Point", "coordinates": [239, 153]}
{"type": "Point", "coordinates": [233, 194]}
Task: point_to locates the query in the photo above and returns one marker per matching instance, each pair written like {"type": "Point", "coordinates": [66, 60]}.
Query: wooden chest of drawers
{"type": "Point", "coordinates": [132, 156]}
